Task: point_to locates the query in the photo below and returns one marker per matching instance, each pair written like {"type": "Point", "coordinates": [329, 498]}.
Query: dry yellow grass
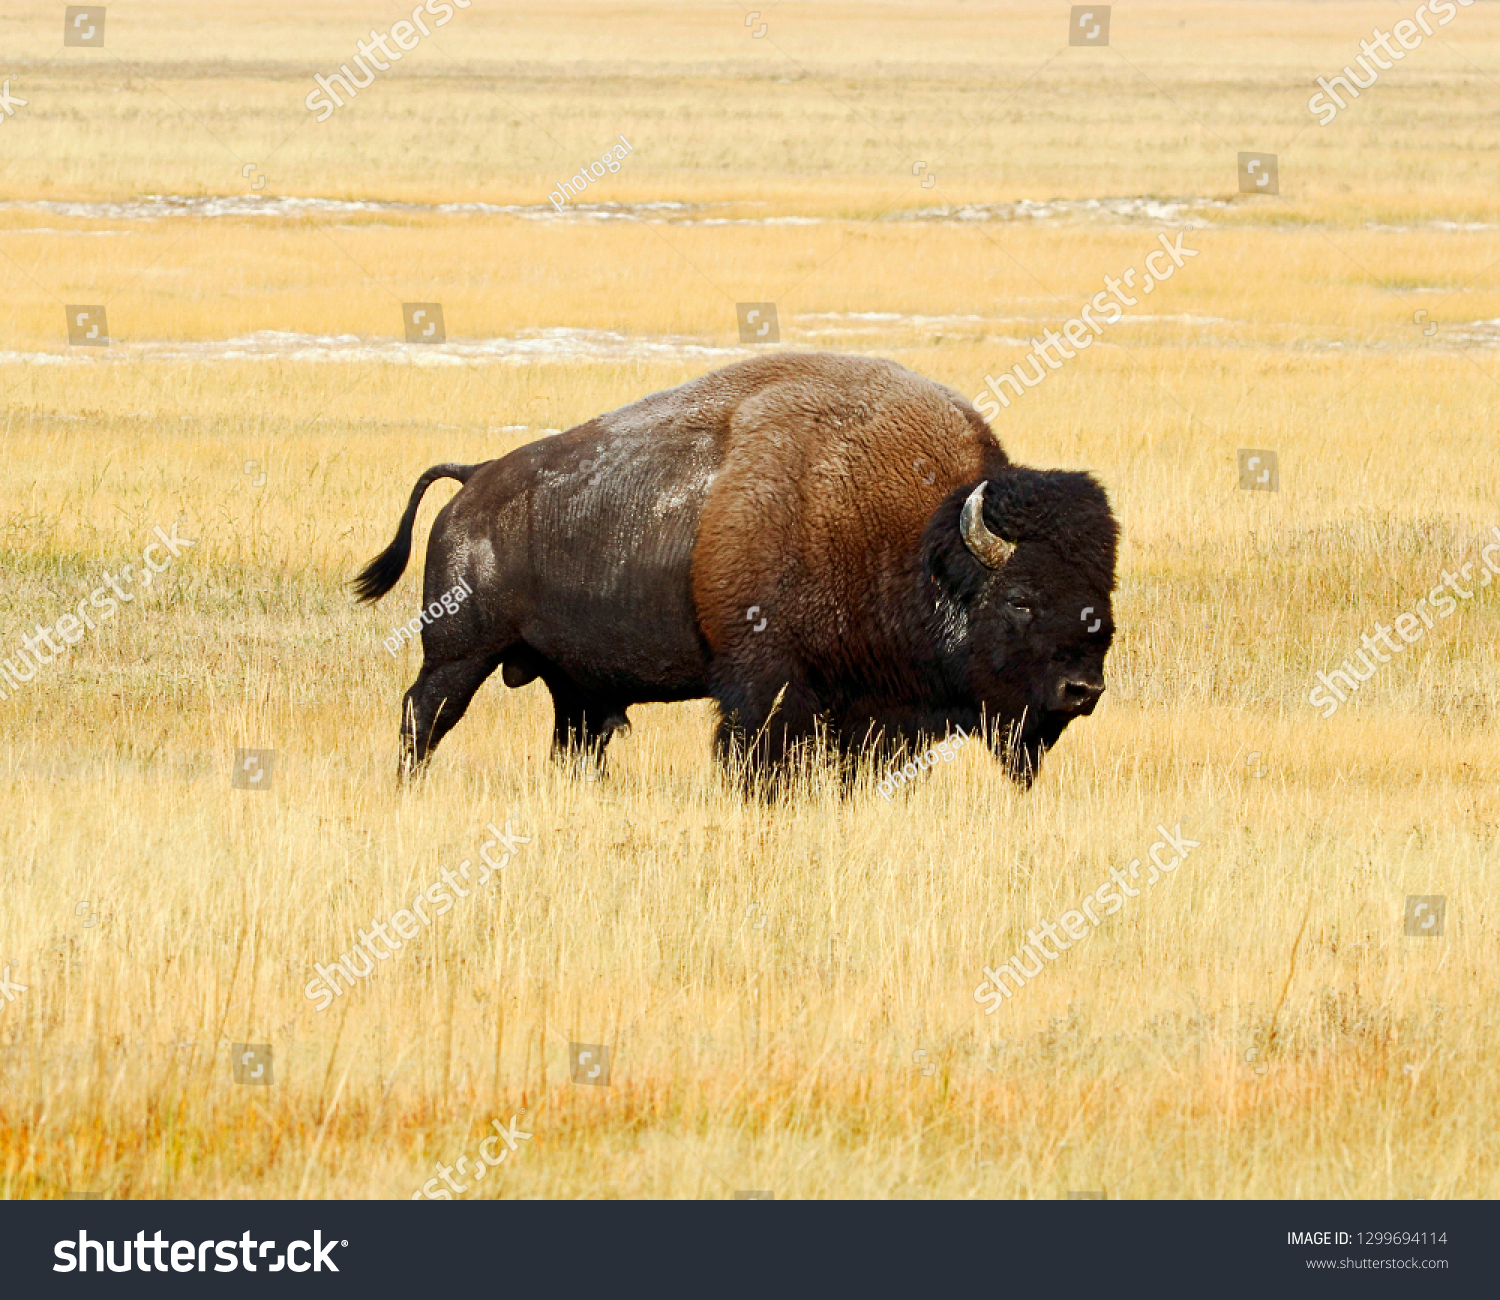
{"type": "Point", "coordinates": [764, 978]}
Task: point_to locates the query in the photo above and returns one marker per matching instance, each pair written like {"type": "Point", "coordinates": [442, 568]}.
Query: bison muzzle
{"type": "Point", "coordinates": [829, 546]}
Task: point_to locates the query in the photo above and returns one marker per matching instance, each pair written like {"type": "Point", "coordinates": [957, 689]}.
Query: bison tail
{"type": "Point", "coordinates": [385, 570]}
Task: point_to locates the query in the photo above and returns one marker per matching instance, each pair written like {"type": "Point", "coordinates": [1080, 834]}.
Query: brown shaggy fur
{"type": "Point", "coordinates": [871, 449]}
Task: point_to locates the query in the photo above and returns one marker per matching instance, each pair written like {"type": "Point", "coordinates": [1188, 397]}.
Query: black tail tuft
{"type": "Point", "coordinates": [385, 570]}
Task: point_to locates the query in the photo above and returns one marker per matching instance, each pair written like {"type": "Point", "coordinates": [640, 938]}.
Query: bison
{"type": "Point", "coordinates": [828, 546]}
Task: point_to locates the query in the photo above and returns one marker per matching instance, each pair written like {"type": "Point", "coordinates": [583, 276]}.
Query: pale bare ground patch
{"type": "Point", "coordinates": [765, 978]}
{"type": "Point", "coordinates": [843, 284]}
{"type": "Point", "coordinates": [826, 114]}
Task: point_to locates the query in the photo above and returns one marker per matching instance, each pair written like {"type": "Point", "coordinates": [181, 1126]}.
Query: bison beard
{"type": "Point", "coordinates": [830, 547]}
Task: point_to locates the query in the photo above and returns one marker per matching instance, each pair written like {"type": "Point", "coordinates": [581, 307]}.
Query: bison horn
{"type": "Point", "coordinates": [989, 550]}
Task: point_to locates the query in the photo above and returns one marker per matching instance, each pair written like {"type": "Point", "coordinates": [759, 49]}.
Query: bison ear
{"type": "Point", "coordinates": [990, 549]}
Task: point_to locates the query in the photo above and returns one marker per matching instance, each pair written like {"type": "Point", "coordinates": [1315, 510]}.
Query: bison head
{"type": "Point", "coordinates": [1023, 565]}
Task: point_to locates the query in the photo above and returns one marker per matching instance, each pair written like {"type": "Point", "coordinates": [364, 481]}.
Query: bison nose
{"type": "Point", "coordinates": [1078, 695]}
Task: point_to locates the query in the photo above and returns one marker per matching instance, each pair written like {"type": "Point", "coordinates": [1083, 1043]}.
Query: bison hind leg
{"type": "Point", "coordinates": [582, 724]}
{"type": "Point", "coordinates": [435, 702]}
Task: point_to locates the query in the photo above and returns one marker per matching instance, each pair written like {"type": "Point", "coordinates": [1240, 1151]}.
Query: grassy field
{"type": "Point", "coordinates": [786, 994]}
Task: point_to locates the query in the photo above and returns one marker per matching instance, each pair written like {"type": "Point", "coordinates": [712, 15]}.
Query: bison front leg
{"type": "Point", "coordinates": [764, 732]}
{"type": "Point", "coordinates": [435, 702]}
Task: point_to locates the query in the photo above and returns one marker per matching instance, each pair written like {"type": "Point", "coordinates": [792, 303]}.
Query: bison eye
{"type": "Point", "coordinates": [1021, 605]}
